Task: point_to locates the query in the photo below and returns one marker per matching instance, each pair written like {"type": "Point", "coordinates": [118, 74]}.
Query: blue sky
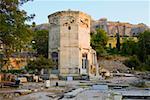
{"type": "Point", "coordinates": [133, 11]}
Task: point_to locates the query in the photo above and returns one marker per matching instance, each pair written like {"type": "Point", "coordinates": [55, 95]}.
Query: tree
{"type": "Point", "coordinates": [13, 30]}
{"type": "Point", "coordinates": [1, 62]}
{"type": "Point", "coordinates": [148, 61]}
{"type": "Point", "coordinates": [14, 33]}
{"type": "Point", "coordinates": [144, 45]}
{"type": "Point", "coordinates": [40, 63]}
{"type": "Point", "coordinates": [118, 41]}
{"type": "Point", "coordinates": [129, 47]}
{"type": "Point", "coordinates": [99, 41]}
{"type": "Point", "coordinates": [41, 42]}
{"type": "Point", "coordinates": [142, 50]}
{"type": "Point", "coordinates": [132, 62]}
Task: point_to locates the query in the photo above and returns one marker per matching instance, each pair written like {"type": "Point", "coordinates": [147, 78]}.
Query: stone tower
{"type": "Point", "coordinates": [69, 43]}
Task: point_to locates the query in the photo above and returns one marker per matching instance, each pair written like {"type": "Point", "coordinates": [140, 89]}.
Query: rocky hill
{"type": "Point", "coordinates": [125, 29]}
{"type": "Point", "coordinates": [44, 26]}
{"type": "Point", "coordinates": [113, 63]}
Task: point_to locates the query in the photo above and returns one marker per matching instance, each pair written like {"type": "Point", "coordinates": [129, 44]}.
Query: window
{"type": "Point", "coordinates": [110, 45]}
{"type": "Point", "coordinates": [84, 61]}
{"type": "Point", "coordinates": [71, 21]}
{"type": "Point", "coordinates": [82, 64]}
{"type": "Point", "coordinates": [97, 26]}
{"type": "Point", "coordinates": [69, 27]}
{"type": "Point", "coordinates": [79, 70]}
{"type": "Point", "coordinates": [55, 57]}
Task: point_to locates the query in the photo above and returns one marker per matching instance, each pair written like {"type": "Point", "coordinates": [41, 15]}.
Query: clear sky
{"type": "Point", "coordinates": [132, 11]}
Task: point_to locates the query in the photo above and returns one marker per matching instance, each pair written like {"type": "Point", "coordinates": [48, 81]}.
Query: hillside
{"type": "Point", "coordinates": [44, 26]}
{"type": "Point", "coordinates": [113, 63]}
{"type": "Point", "coordinates": [125, 29]}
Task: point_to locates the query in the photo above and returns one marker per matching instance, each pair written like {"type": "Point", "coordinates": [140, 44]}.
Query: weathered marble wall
{"type": "Point", "coordinates": [69, 36]}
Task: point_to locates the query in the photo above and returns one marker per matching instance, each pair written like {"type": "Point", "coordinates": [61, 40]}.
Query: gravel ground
{"type": "Point", "coordinates": [35, 96]}
{"type": "Point", "coordinates": [92, 95]}
{"type": "Point", "coordinates": [40, 92]}
{"type": "Point", "coordinates": [123, 80]}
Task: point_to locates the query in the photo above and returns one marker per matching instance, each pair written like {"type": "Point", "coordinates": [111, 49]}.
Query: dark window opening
{"type": "Point", "coordinates": [69, 27]}
{"type": "Point", "coordinates": [81, 21]}
{"type": "Point", "coordinates": [79, 71]}
{"type": "Point", "coordinates": [84, 55]}
{"type": "Point", "coordinates": [110, 45]}
{"type": "Point", "coordinates": [72, 21]}
{"type": "Point", "coordinates": [55, 58]}
{"type": "Point", "coordinates": [84, 61]}
{"type": "Point", "coordinates": [54, 55]}
{"type": "Point", "coordinates": [97, 26]}
{"type": "Point", "coordinates": [91, 67]}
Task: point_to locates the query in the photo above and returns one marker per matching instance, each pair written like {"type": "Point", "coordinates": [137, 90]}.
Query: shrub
{"type": "Point", "coordinates": [40, 63]}
{"type": "Point", "coordinates": [132, 62]}
{"type": "Point", "coordinates": [143, 67]}
{"type": "Point", "coordinates": [12, 71]}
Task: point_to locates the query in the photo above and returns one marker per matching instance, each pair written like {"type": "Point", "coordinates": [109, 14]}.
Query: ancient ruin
{"type": "Point", "coordinates": [69, 43]}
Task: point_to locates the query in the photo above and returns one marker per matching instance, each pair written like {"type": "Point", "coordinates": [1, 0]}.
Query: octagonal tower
{"type": "Point", "coordinates": [69, 42]}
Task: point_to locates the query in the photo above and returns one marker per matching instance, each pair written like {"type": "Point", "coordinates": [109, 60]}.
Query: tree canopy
{"type": "Point", "coordinates": [144, 46]}
{"type": "Point", "coordinates": [14, 32]}
{"type": "Point", "coordinates": [98, 41]}
{"type": "Point", "coordinates": [129, 47]}
{"type": "Point", "coordinates": [41, 42]}
{"type": "Point", "coordinates": [139, 52]}
{"type": "Point", "coordinates": [40, 63]}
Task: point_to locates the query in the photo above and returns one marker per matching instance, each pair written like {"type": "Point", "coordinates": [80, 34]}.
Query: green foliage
{"type": "Point", "coordinates": [144, 46]}
{"type": "Point", "coordinates": [1, 61]}
{"type": "Point", "coordinates": [129, 47]}
{"type": "Point", "coordinates": [41, 42]}
{"type": "Point", "coordinates": [113, 51]}
{"type": "Point", "coordinates": [118, 41]}
{"type": "Point", "coordinates": [14, 33]}
{"type": "Point", "coordinates": [143, 67]}
{"type": "Point", "coordinates": [148, 61]}
{"type": "Point", "coordinates": [141, 50]}
{"type": "Point", "coordinates": [133, 62]}
{"type": "Point", "coordinates": [100, 50]}
{"type": "Point", "coordinates": [12, 71]}
{"type": "Point", "coordinates": [136, 64]}
{"type": "Point", "coordinates": [99, 41]}
{"type": "Point", "coordinates": [40, 63]}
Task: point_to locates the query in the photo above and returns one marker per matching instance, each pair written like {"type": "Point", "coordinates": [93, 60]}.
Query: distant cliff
{"type": "Point", "coordinates": [41, 27]}
{"type": "Point", "coordinates": [125, 29]}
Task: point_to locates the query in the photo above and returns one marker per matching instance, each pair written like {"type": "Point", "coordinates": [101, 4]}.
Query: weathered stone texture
{"type": "Point", "coordinates": [125, 29]}
{"type": "Point", "coordinates": [69, 36]}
